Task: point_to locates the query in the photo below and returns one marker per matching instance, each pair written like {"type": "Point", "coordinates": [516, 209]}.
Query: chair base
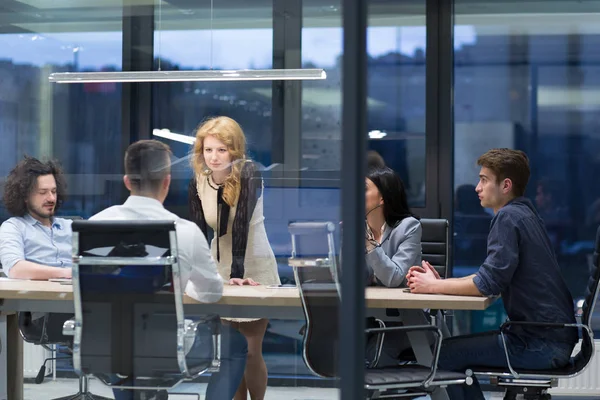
{"type": "Point", "coordinates": [83, 393]}
{"type": "Point", "coordinates": [528, 392]}
{"type": "Point", "coordinates": [83, 396]}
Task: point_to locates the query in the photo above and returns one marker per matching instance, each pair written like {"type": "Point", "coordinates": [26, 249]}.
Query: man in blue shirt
{"type": "Point", "coordinates": [33, 243]}
{"type": "Point", "coordinates": [522, 268]}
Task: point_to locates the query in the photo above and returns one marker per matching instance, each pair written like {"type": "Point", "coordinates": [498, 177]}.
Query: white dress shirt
{"type": "Point", "coordinates": [198, 271]}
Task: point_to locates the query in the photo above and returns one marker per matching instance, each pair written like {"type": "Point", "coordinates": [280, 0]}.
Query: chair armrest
{"type": "Point", "coordinates": [412, 328]}
{"type": "Point", "coordinates": [378, 346]}
{"type": "Point", "coordinates": [408, 328]}
{"type": "Point", "coordinates": [553, 325]}
{"type": "Point", "coordinates": [69, 327]}
{"type": "Point", "coordinates": [213, 320]}
{"type": "Point", "coordinates": [214, 323]}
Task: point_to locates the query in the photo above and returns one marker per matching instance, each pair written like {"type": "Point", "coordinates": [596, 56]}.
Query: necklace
{"type": "Point", "coordinates": [211, 185]}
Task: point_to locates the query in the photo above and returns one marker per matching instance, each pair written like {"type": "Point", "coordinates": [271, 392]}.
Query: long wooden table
{"type": "Point", "coordinates": [237, 301]}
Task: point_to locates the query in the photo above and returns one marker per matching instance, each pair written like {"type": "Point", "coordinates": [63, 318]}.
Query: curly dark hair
{"type": "Point", "coordinates": [22, 180]}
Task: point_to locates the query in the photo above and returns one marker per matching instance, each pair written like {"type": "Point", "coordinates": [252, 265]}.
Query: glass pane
{"type": "Point", "coordinates": [526, 77]}
{"type": "Point", "coordinates": [236, 38]}
{"type": "Point", "coordinates": [79, 125]}
{"type": "Point", "coordinates": [396, 43]}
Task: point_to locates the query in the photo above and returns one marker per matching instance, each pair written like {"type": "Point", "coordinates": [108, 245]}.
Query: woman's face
{"type": "Point", "coordinates": [372, 196]}
{"type": "Point", "coordinates": [216, 154]}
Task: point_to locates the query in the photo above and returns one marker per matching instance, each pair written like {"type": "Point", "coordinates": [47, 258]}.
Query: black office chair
{"type": "Point", "coordinates": [129, 328]}
{"type": "Point", "coordinates": [45, 329]}
{"type": "Point", "coordinates": [435, 249]}
{"type": "Point", "coordinates": [534, 384]}
{"type": "Point", "coordinates": [435, 244]}
{"type": "Point", "coordinates": [316, 273]}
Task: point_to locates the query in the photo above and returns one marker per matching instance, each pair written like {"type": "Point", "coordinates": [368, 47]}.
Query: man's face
{"type": "Point", "coordinates": [489, 190]}
{"type": "Point", "coordinates": [42, 199]}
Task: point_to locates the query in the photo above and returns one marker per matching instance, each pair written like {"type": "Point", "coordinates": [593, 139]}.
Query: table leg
{"type": "Point", "coordinates": [14, 358]}
{"type": "Point", "coordinates": [3, 358]}
{"type": "Point", "coordinates": [420, 344]}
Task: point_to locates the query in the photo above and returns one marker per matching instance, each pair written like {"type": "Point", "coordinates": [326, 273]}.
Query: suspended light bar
{"type": "Point", "coordinates": [186, 76]}
{"type": "Point", "coordinates": [167, 134]}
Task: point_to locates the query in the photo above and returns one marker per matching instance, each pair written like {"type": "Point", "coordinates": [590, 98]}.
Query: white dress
{"type": "Point", "coordinates": [259, 260]}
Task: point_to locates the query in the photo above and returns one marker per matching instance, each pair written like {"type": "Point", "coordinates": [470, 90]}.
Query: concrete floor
{"type": "Point", "coordinates": [64, 387]}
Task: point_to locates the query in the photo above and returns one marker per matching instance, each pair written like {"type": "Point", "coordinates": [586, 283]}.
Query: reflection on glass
{"type": "Point", "coordinates": [527, 78]}
{"type": "Point", "coordinates": [79, 126]}
{"type": "Point", "coordinates": [189, 76]}
{"type": "Point", "coordinates": [396, 102]}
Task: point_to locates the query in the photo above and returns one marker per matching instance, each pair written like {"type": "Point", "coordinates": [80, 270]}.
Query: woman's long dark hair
{"type": "Point", "coordinates": [391, 187]}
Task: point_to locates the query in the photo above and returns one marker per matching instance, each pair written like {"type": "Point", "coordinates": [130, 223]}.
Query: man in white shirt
{"type": "Point", "coordinates": [147, 177]}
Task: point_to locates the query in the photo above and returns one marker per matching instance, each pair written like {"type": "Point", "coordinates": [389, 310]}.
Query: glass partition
{"type": "Point", "coordinates": [526, 77]}
{"type": "Point", "coordinates": [293, 129]}
{"type": "Point", "coordinates": [79, 125]}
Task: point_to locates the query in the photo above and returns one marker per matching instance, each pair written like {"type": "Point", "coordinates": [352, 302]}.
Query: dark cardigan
{"type": "Point", "coordinates": [251, 184]}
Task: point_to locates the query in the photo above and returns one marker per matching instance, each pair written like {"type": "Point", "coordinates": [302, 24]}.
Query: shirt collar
{"type": "Point", "coordinates": [383, 228]}
{"type": "Point", "coordinates": [142, 201]}
{"type": "Point", "coordinates": [32, 221]}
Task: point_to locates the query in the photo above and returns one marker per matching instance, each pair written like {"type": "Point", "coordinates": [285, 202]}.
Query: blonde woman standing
{"type": "Point", "coordinates": [226, 195]}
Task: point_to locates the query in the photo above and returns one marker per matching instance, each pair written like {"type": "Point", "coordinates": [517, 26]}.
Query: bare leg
{"type": "Point", "coordinates": [242, 390]}
{"type": "Point", "coordinates": [255, 375]}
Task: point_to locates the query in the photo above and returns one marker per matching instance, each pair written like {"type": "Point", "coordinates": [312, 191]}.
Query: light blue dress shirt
{"type": "Point", "coordinates": [25, 238]}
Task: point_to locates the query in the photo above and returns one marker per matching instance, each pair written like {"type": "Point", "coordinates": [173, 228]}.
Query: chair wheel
{"type": "Point", "coordinates": [162, 395]}
{"type": "Point", "coordinates": [538, 396]}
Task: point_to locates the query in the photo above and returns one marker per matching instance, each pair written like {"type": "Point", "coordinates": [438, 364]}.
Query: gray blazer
{"type": "Point", "coordinates": [400, 249]}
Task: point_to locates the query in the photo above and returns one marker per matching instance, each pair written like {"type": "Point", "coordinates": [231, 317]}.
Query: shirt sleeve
{"type": "Point", "coordinates": [205, 283]}
{"type": "Point", "coordinates": [496, 272]}
{"type": "Point", "coordinates": [391, 270]}
{"type": "Point", "coordinates": [12, 245]}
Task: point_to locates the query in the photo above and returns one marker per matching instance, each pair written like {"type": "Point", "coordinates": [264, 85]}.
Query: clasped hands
{"type": "Point", "coordinates": [422, 279]}
{"type": "Point", "coordinates": [370, 242]}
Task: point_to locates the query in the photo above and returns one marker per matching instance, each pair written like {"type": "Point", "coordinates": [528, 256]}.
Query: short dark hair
{"type": "Point", "coordinates": [508, 163]}
{"type": "Point", "coordinates": [22, 179]}
{"type": "Point", "coordinates": [391, 187]}
{"type": "Point", "coordinates": [374, 160]}
{"type": "Point", "coordinates": [147, 163]}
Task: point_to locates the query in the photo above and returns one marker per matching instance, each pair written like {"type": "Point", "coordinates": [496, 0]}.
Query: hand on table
{"type": "Point", "coordinates": [242, 282]}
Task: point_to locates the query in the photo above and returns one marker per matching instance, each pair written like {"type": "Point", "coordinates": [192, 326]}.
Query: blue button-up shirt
{"type": "Point", "coordinates": [521, 266]}
{"type": "Point", "coordinates": [25, 238]}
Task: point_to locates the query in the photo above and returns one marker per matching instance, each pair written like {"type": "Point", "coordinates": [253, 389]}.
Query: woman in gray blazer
{"type": "Point", "coordinates": [392, 246]}
{"type": "Point", "coordinates": [393, 233]}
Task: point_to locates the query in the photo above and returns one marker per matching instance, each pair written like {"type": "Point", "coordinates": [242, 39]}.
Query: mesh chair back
{"type": "Point", "coordinates": [591, 297]}
{"type": "Point", "coordinates": [128, 299]}
{"type": "Point", "coordinates": [319, 291]}
{"type": "Point", "coordinates": [434, 244]}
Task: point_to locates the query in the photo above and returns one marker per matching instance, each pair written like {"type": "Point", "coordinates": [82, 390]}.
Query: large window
{"type": "Point", "coordinates": [527, 77]}
{"type": "Point", "coordinates": [80, 125]}
{"type": "Point", "coordinates": [234, 38]}
{"type": "Point", "coordinates": [396, 88]}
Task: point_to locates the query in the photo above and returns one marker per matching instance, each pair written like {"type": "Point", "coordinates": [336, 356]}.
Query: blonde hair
{"type": "Point", "coordinates": [231, 134]}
